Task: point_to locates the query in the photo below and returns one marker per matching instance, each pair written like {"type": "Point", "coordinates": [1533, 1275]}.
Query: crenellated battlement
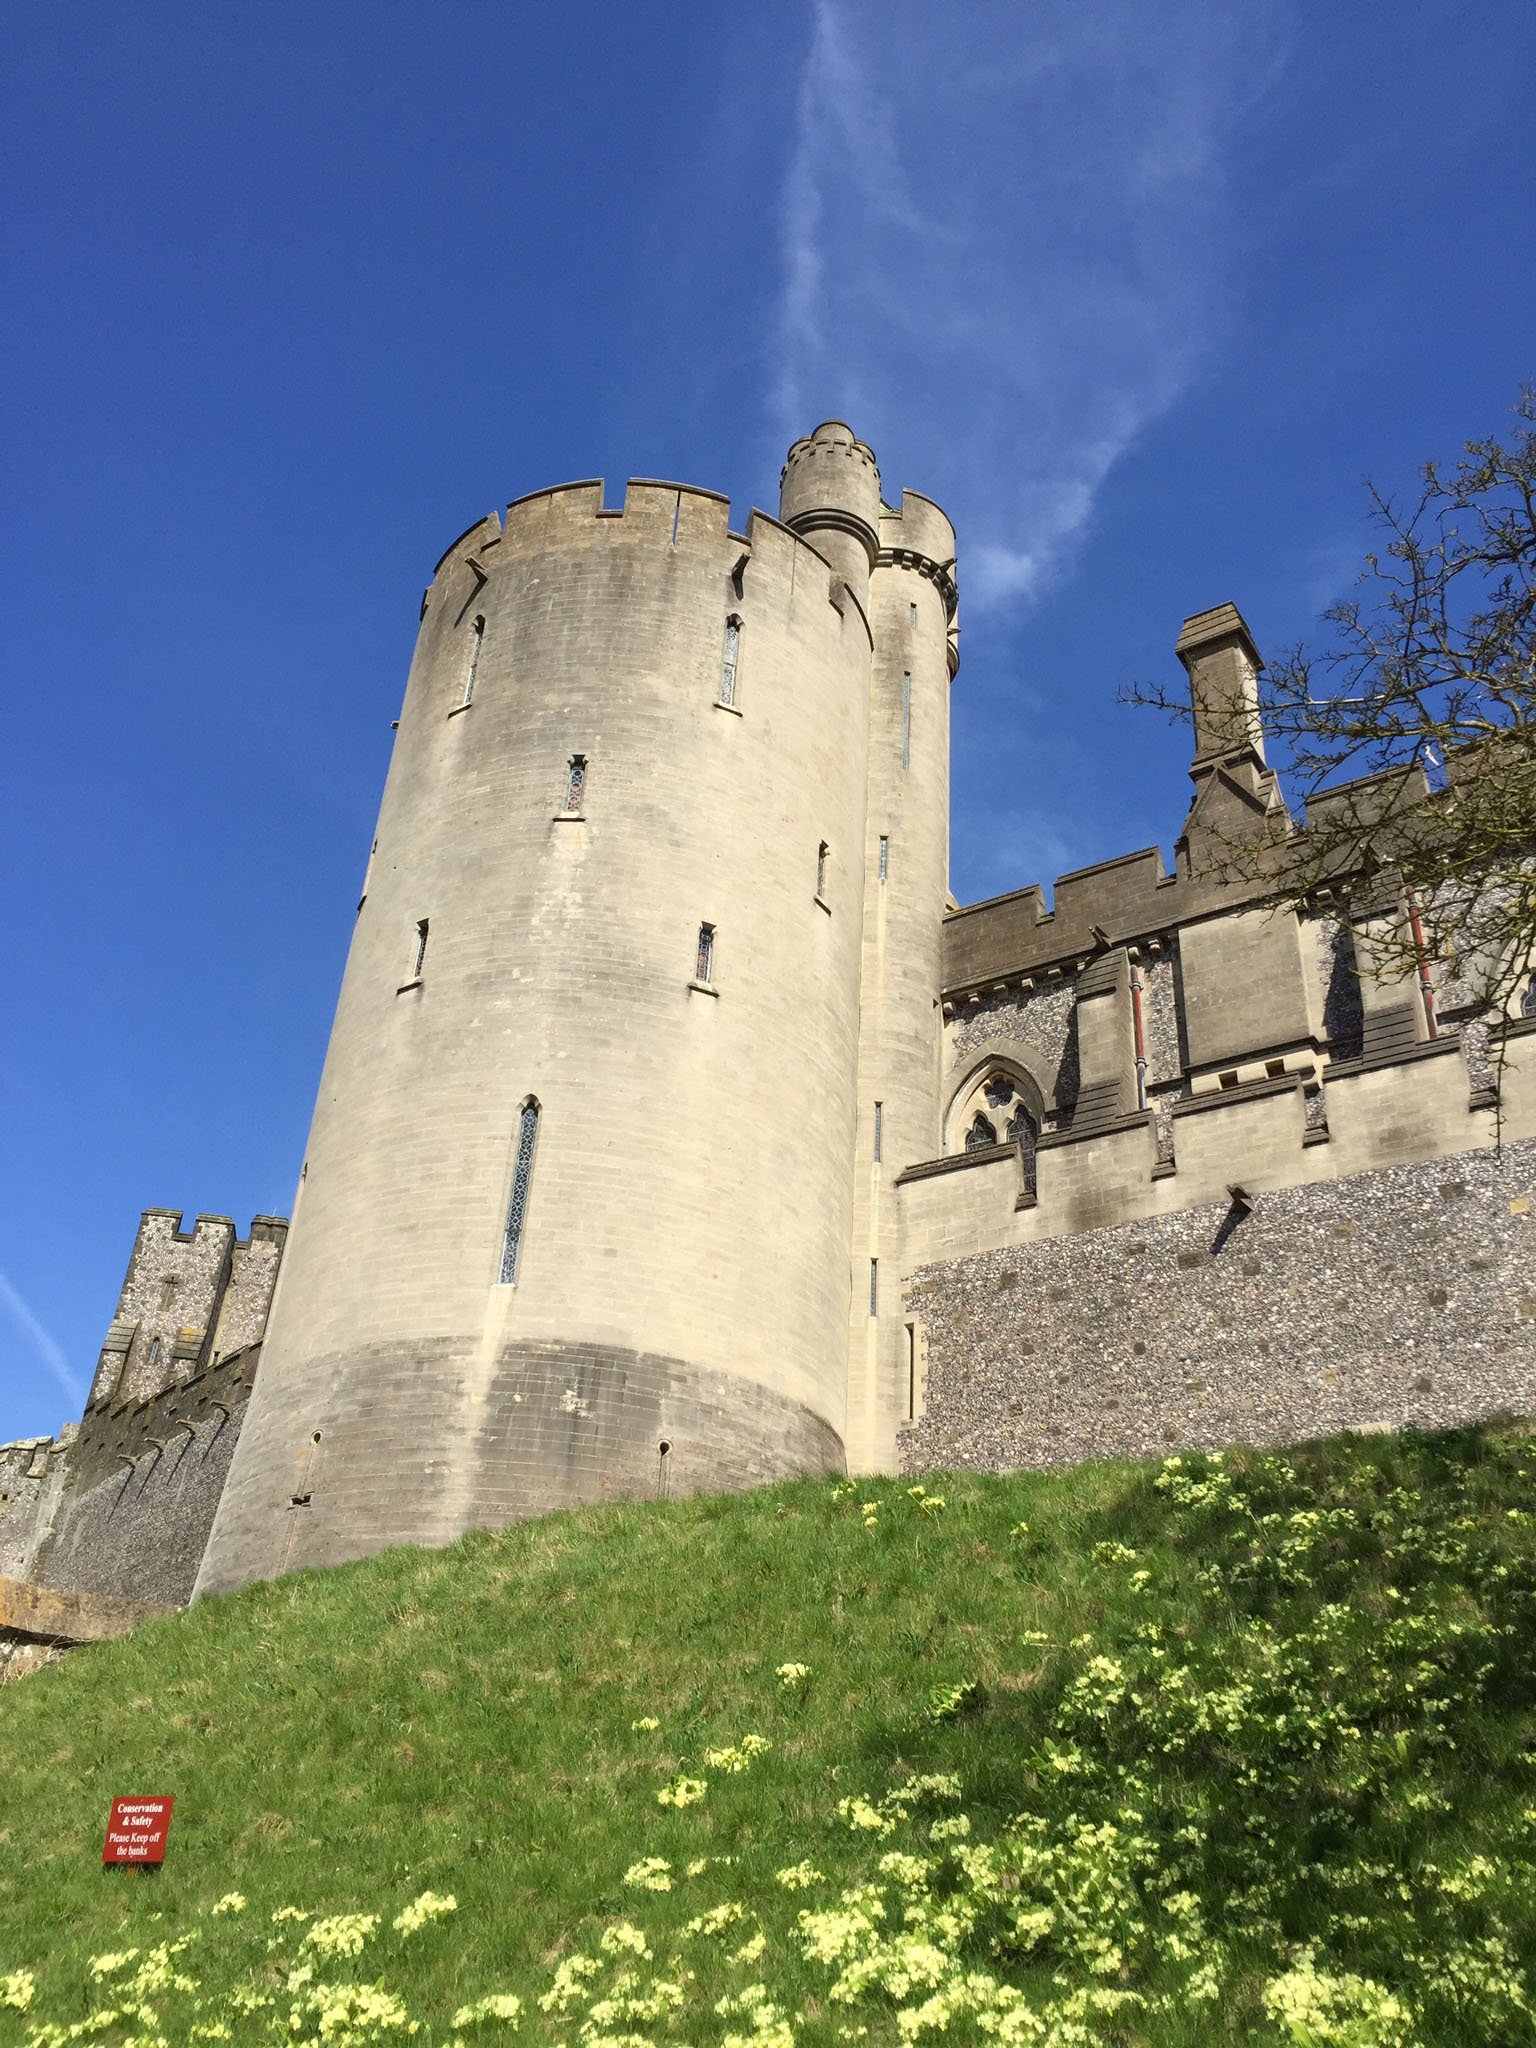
{"type": "Point", "coordinates": [919, 535]}
{"type": "Point", "coordinates": [187, 1296]}
{"type": "Point", "coordinates": [681, 515]}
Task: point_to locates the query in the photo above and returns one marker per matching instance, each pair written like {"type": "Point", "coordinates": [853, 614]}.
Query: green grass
{"type": "Point", "coordinates": [1244, 1752]}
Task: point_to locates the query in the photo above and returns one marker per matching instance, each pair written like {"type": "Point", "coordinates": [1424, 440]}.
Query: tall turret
{"type": "Point", "coordinates": [913, 605]}
{"type": "Point", "coordinates": [576, 1211]}
{"type": "Point", "coordinates": [830, 492]}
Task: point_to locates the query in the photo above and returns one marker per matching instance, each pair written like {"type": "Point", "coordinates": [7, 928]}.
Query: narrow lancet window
{"type": "Point", "coordinates": [885, 856]}
{"type": "Point", "coordinates": [911, 614]}
{"type": "Point", "coordinates": [421, 949]}
{"type": "Point", "coordinates": [1021, 1129]}
{"type": "Point", "coordinates": [729, 660]}
{"type": "Point", "coordinates": [477, 640]}
{"type": "Point", "coordinates": [879, 1127]}
{"type": "Point", "coordinates": [822, 856]}
{"type": "Point", "coordinates": [906, 721]}
{"type": "Point", "coordinates": [575, 785]}
{"type": "Point", "coordinates": [517, 1205]}
{"type": "Point", "coordinates": [983, 1132]}
{"type": "Point", "coordinates": [874, 1287]}
{"type": "Point", "coordinates": [704, 965]}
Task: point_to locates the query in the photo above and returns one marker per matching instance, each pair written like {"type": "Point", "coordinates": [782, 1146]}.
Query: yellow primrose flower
{"type": "Point", "coordinates": [430, 1906]}
{"type": "Point", "coordinates": [343, 1934]}
{"type": "Point", "coordinates": [682, 1792]}
{"type": "Point", "coordinates": [496, 2005]}
{"type": "Point", "coordinates": [17, 1989]}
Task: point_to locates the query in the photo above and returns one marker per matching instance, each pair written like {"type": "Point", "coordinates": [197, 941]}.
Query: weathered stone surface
{"type": "Point", "coordinates": [68, 1616]}
{"type": "Point", "coordinates": [416, 1443]}
{"type": "Point", "coordinates": [144, 1483]}
{"type": "Point", "coordinates": [1372, 1302]}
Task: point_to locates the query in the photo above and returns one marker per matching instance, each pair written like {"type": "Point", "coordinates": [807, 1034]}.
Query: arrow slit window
{"type": "Point", "coordinates": [730, 660]}
{"type": "Point", "coordinates": [517, 1205]}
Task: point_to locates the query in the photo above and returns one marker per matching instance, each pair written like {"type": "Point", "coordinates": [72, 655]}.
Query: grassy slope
{"type": "Point", "coordinates": [1354, 1729]}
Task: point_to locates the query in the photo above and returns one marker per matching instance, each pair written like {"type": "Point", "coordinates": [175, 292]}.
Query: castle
{"type": "Point", "coordinates": [679, 1131]}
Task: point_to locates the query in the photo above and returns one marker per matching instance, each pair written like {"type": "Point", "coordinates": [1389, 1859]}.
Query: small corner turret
{"type": "Point", "coordinates": [829, 493]}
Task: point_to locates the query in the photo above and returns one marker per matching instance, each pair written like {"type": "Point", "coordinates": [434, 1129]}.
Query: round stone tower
{"type": "Point", "coordinates": [577, 1206]}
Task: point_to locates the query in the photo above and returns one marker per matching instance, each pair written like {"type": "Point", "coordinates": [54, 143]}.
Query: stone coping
{"type": "Point", "coordinates": [59, 1615]}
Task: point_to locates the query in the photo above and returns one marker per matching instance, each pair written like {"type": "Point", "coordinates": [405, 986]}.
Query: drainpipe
{"type": "Point", "coordinates": [1141, 1040]}
{"type": "Point", "coordinates": [1426, 986]}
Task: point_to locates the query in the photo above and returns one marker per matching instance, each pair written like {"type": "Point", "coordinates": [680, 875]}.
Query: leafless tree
{"type": "Point", "coordinates": [1410, 738]}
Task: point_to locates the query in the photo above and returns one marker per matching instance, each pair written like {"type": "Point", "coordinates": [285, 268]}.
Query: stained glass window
{"type": "Point", "coordinates": [999, 1091]}
{"type": "Point", "coordinates": [879, 1127]}
{"type": "Point", "coordinates": [983, 1132]}
{"type": "Point", "coordinates": [705, 967]}
{"type": "Point", "coordinates": [517, 1207]}
{"type": "Point", "coordinates": [1021, 1130]}
{"type": "Point", "coordinates": [874, 1287]}
{"type": "Point", "coordinates": [576, 782]}
{"type": "Point", "coordinates": [1528, 1000]}
{"type": "Point", "coordinates": [885, 856]}
{"type": "Point", "coordinates": [728, 662]}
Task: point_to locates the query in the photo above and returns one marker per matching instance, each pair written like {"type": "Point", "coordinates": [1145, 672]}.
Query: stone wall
{"type": "Point", "coordinates": [144, 1480]}
{"type": "Point", "coordinates": [1404, 1296]}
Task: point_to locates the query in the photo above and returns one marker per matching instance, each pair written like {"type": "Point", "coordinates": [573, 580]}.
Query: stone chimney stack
{"type": "Point", "coordinates": [1218, 651]}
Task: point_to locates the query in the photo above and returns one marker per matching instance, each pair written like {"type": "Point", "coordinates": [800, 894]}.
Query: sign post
{"type": "Point", "coordinates": [136, 1831]}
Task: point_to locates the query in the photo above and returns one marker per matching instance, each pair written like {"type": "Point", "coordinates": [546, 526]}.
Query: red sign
{"type": "Point", "coordinates": [136, 1831]}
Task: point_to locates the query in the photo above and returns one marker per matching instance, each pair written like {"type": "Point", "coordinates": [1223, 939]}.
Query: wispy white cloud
{"type": "Point", "coordinates": [51, 1353]}
{"type": "Point", "coordinates": [1002, 245]}
{"type": "Point", "coordinates": [1016, 846]}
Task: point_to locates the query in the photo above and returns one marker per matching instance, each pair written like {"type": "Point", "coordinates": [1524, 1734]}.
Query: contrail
{"type": "Point", "coordinates": [48, 1350]}
{"type": "Point", "coordinates": [1001, 243]}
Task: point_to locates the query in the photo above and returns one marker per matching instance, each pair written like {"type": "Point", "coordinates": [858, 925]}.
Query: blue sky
{"type": "Point", "coordinates": [297, 292]}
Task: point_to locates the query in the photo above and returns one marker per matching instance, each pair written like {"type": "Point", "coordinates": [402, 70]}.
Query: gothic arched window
{"type": "Point", "coordinates": [999, 1105]}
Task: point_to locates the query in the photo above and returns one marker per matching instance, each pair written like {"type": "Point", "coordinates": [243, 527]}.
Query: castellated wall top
{"type": "Point", "coordinates": [685, 516]}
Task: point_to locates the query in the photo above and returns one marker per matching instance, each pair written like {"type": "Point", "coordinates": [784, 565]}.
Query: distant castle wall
{"type": "Point", "coordinates": [1403, 1296]}
{"type": "Point", "coordinates": [122, 1502]}
{"type": "Point", "coordinates": [32, 1475]}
